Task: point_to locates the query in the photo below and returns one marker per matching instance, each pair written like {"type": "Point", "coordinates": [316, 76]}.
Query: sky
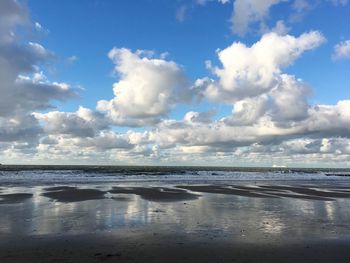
{"type": "Point", "coordinates": [183, 82]}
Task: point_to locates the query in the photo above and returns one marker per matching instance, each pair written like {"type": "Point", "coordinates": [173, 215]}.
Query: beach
{"type": "Point", "coordinates": [158, 131]}
{"type": "Point", "coordinates": [173, 217]}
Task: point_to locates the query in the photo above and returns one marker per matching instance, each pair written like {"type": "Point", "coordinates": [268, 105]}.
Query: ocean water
{"type": "Point", "coordinates": [42, 175]}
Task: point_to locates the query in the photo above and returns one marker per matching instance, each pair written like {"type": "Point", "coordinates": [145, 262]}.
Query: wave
{"type": "Point", "coordinates": [27, 177]}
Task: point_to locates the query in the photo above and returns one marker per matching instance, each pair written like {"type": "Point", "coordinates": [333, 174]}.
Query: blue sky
{"type": "Point", "coordinates": [89, 29]}
{"type": "Point", "coordinates": [149, 25]}
{"type": "Point", "coordinates": [79, 36]}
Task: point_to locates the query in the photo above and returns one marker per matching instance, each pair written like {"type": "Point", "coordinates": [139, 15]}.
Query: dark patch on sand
{"type": "Point", "coordinates": [339, 191]}
{"type": "Point", "coordinates": [75, 195]}
{"type": "Point", "coordinates": [59, 188]}
{"type": "Point", "coordinates": [255, 188]}
{"type": "Point", "coordinates": [14, 198]}
{"type": "Point", "coordinates": [308, 191]}
{"type": "Point", "coordinates": [218, 189]}
{"type": "Point", "coordinates": [273, 191]}
{"type": "Point", "coordinates": [283, 193]}
{"type": "Point", "coordinates": [120, 198]}
{"type": "Point", "coordinates": [304, 197]}
{"type": "Point", "coordinates": [156, 194]}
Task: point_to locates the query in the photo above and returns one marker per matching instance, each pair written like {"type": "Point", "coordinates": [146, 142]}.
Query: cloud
{"type": "Point", "coordinates": [339, 2]}
{"type": "Point", "coordinates": [329, 120]}
{"type": "Point", "coordinates": [255, 14]}
{"type": "Point", "coordinates": [83, 123]}
{"type": "Point", "coordinates": [203, 2]}
{"type": "Point", "coordinates": [19, 128]}
{"type": "Point", "coordinates": [12, 14]}
{"type": "Point", "coordinates": [278, 119]}
{"type": "Point", "coordinates": [219, 136]}
{"type": "Point", "coordinates": [72, 59]}
{"type": "Point", "coordinates": [248, 111]}
{"type": "Point", "coordinates": [104, 147]}
{"type": "Point", "coordinates": [289, 100]}
{"type": "Point", "coordinates": [251, 71]}
{"type": "Point", "coordinates": [281, 28]}
{"type": "Point", "coordinates": [342, 50]}
{"type": "Point", "coordinates": [301, 5]}
{"type": "Point", "coordinates": [104, 141]}
{"type": "Point", "coordinates": [249, 13]}
{"type": "Point", "coordinates": [246, 12]}
{"type": "Point", "coordinates": [93, 149]}
{"type": "Point", "coordinates": [147, 90]}
{"type": "Point", "coordinates": [203, 117]}
{"type": "Point", "coordinates": [181, 13]}
{"type": "Point", "coordinates": [38, 26]}
{"type": "Point", "coordinates": [183, 9]}
{"type": "Point", "coordinates": [331, 152]}
{"type": "Point", "coordinates": [23, 87]}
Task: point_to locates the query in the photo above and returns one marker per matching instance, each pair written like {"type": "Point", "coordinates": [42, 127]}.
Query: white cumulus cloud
{"type": "Point", "coordinates": [342, 50]}
{"type": "Point", "coordinates": [147, 90]}
{"type": "Point", "coordinates": [251, 71]}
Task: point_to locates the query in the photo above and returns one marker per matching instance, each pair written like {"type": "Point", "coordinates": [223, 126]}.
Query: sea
{"type": "Point", "coordinates": [25, 175]}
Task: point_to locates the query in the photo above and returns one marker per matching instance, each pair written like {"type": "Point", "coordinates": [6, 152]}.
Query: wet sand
{"type": "Point", "coordinates": [175, 223]}
{"type": "Point", "coordinates": [218, 189]}
{"type": "Point", "coordinates": [271, 191]}
{"type": "Point", "coordinates": [165, 248]}
{"type": "Point", "coordinates": [180, 193]}
{"type": "Point", "coordinates": [74, 195]}
{"type": "Point", "coordinates": [14, 198]}
{"type": "Point", "coordinates": [310, 192]}
{"type": "Point", "coordinates": [59, 188]}
{"type": "Point", "coordinates": [157, 194]}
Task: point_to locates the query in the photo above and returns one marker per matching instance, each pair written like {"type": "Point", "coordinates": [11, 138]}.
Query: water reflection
{"type": "Point", "coordinates": [212, 215]}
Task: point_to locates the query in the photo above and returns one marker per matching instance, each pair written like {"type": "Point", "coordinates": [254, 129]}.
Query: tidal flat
{"type": "Point", "coordinates": [174, 219]}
